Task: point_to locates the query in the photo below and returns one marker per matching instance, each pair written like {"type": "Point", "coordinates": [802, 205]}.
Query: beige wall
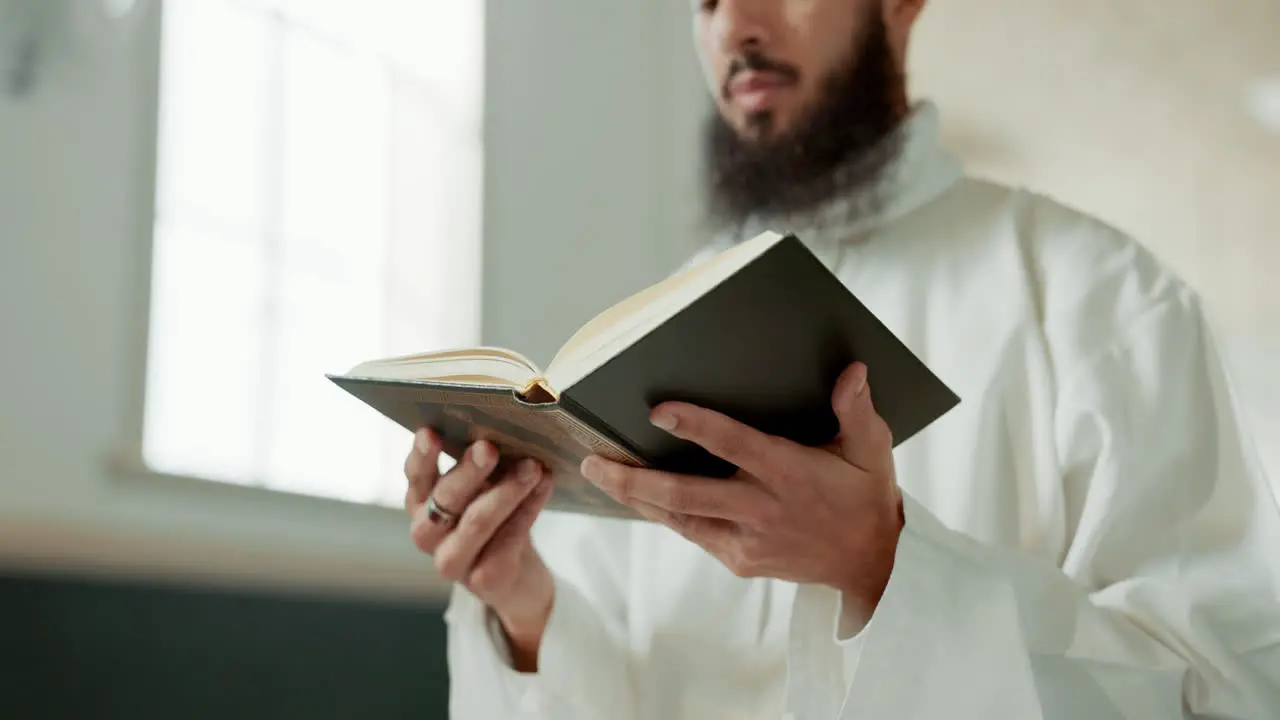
{"type": "Point", "coordinates": [1135, 110]}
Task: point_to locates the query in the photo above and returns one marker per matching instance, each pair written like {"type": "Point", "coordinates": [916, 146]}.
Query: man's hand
{"type": "Point", "coordinates": [476, 527]}
{"type": "Point", "coordinates": [829, 516]}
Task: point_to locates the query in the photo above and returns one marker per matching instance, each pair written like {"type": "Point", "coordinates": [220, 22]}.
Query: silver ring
{"type": "Point", "coordinates": [439, 515]}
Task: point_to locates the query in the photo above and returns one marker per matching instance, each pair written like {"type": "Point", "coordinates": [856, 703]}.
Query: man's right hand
{"type": "Point", "coordinates": [476, 525]}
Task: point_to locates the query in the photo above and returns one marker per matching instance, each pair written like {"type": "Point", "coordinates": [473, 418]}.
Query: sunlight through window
{"type": "Point", "coordinates": [317, 204]}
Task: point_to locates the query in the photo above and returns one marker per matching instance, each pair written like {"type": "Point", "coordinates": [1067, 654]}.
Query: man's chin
{"type": "Point", "coordinates": [760, 128]}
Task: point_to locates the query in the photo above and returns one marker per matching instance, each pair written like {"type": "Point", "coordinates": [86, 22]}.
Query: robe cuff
{"type": "Point", "coordinates": [935, 580]}
{"type": "Point", "coordinates": [849, 628]}
{"type": "Point", "coordinates": [571, 646]}
{"type": "Point", "coordinates": [830, 646]}
{"type": "Point", "coordinates": [519, 688]}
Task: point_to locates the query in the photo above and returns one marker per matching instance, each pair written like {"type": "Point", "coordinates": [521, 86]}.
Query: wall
{"type": "Point", "coordinates": [590, 186]}
{"type": "Point", "coordinates": [587, 168]}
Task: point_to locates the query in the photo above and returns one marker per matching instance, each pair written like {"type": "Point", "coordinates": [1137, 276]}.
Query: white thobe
{"type": "Point", "coordinates": [1088, 535]}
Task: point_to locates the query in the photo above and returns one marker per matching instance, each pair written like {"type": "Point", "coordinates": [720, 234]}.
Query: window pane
{"type": "Point", "coordinates": [334, 168]}
{"type": "Point", "coordinates": [441, 43]}
{"type": "Point", "coordinates": [215, 98]}
{"type": "Point", "coordinates": [323, 441]}
{"type": "Point", "coordinates": [435, 215]}
{"type": "Point", "coordinates": [204, 383]}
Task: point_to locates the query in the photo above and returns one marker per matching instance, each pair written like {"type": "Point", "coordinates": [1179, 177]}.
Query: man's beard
{"type": "Point", "coordinates": [839, 146]}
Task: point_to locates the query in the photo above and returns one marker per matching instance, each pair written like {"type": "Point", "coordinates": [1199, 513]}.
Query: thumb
{"type": "Point", "coordinates": [865, 440]}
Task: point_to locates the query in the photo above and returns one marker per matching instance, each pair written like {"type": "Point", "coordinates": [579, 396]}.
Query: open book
{"type": "Point", "coordinates": [759, 332]}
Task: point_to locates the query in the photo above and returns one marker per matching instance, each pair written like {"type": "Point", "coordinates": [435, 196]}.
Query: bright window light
{"type": "Point", "coordinates": [317, 204]}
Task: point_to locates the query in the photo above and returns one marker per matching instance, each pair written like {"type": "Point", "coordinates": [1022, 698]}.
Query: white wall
{"type": "Point", "coordinates": [591, 110]}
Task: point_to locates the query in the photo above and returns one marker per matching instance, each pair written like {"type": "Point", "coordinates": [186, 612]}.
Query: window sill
{"type": "Point", "coordinates": [175, 529]}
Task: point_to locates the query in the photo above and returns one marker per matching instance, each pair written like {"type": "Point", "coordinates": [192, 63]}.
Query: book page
{"type": "Point", "coordinates": [468, 366]}
{"type": "Point", "coordinates": [613, 330]}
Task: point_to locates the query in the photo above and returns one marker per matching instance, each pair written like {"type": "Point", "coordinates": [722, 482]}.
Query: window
{"type": "Point", "coordinates": [317, 204]}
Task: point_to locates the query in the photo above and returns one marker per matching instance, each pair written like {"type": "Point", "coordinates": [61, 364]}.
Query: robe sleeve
{"type": "Point", "coordinates": [582, 662]}
{"type": "Point", "coordinates": [1165, 603]}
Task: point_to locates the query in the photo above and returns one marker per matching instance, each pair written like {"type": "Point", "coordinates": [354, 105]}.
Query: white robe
{"type": "Point", "coordinates": [1088, 535]}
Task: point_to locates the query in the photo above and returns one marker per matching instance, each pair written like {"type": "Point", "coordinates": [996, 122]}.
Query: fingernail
{"type": "Point", "coordinates": [530, 472]}
{"type": "Point", "coordinates": [860, 380]}
{"type": "Point", "coordinates": [591, 468]}
{"type": "Point", "coordinates": [482, 454]}
{"type": "Point", "coordinates": [664, 420]}
{"type": "Point", "coordinates": [422, 440]}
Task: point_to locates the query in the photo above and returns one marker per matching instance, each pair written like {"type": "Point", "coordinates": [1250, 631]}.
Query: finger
{"type": "Point", "coordinates": [501, 557]}
{"type": "Point", "coordinates": [757, 453]}
{"type": "Point", "coordinates": [459, 549]}
{"type": "Point", "coordinates": [521, 521]}
{"type": "Point", "coordinates": [453, 492]}
{"type": "Point", "coordinates": [731, 499]}
{"type": "Point", "coordinates": [421, 468]}
{"type": "Point", "coordinates": [865, 439]}
{"type": "Point", "coordinates": [711, 534]}
{"type": "Point", "coordinates": [721, 539]}
{"type": "Point", "coordinates": [466, 480]}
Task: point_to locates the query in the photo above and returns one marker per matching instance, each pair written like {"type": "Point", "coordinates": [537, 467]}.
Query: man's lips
{"type": "Point", "coordinates": [755, 90]}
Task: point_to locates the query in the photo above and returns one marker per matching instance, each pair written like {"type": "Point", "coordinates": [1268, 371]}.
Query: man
{"type": "Point", "coordinates": [1086, 536]}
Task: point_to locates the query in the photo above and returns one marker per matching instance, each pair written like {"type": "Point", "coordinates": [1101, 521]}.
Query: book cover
{"type": "Point", "coordinates": [463, 414]}
{"type": "Point", "coordinates": [764, 347]}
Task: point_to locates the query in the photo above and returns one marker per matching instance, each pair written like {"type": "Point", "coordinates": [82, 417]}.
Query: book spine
{"type": "Point", "coordinates": [594, 441]}
{"type": "Point", "coordinates": [593, 427]}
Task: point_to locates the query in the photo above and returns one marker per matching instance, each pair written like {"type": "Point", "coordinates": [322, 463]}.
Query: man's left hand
{"type": "Point", "coordinates": [829, 516]}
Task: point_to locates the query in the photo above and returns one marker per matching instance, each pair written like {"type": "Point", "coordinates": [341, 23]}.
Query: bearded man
{"type": "Point", "coordinates": [1087, 535]}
